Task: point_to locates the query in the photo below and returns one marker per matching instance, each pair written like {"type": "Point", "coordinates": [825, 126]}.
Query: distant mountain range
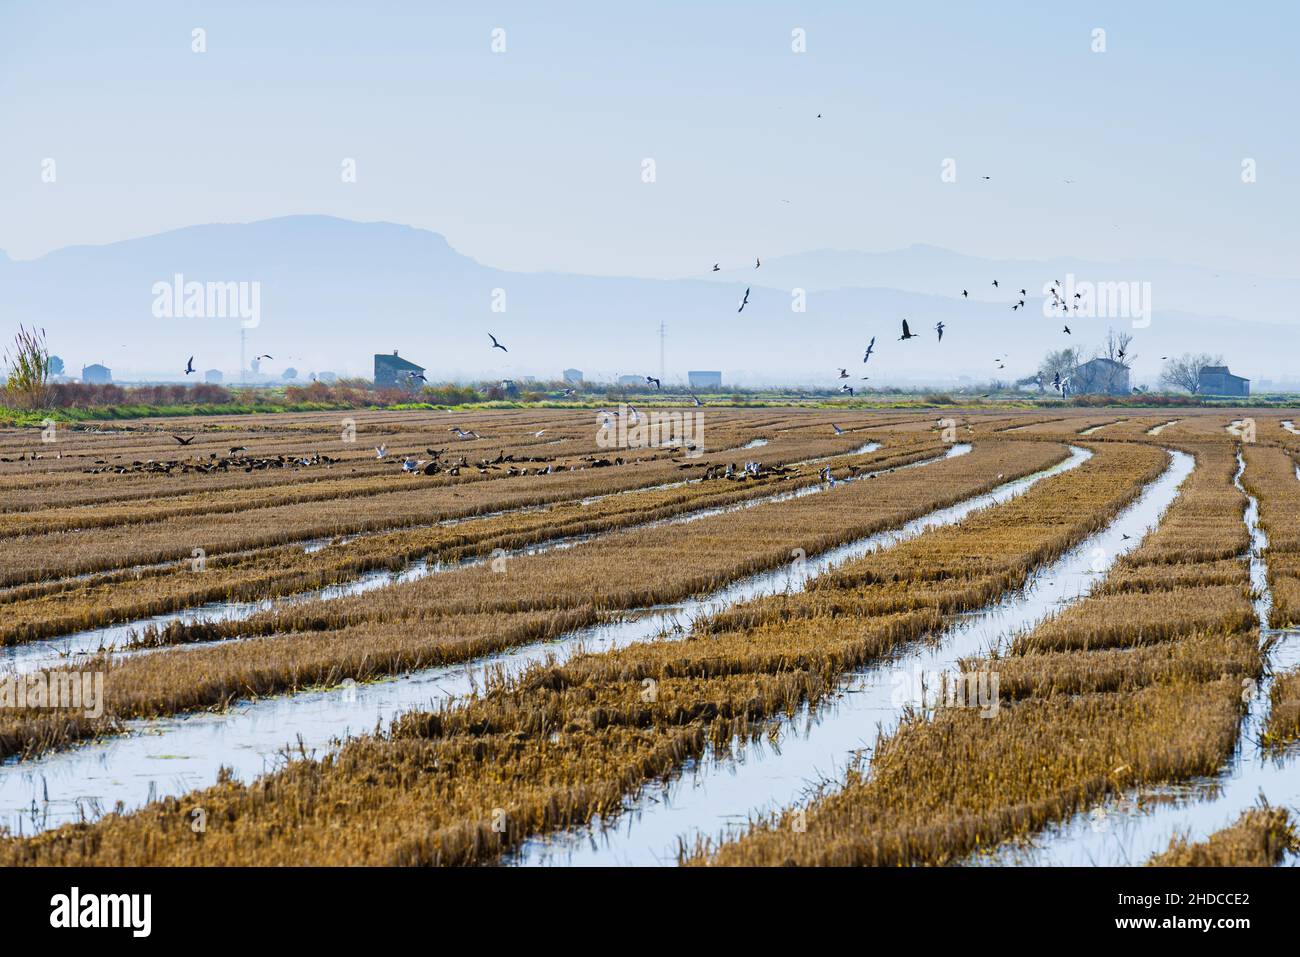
{"type": "Point", "coordinates": [332, 292]}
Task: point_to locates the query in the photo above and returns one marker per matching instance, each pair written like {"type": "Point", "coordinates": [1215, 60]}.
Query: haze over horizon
{"type": "Point", "coordinates": [889, 150]}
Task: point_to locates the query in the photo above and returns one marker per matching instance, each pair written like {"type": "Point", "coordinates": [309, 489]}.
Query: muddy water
{"type": "Point", "coordinates": [175, 755]}
{"type": "Point", "coordinates": [1130, 829]}
{"type": "Point", "coordinates": [719, 794]}
{"type": "Point", "coordinates": [53, 652]}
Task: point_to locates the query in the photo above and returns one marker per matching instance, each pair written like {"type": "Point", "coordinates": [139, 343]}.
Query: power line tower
{"type": "Point", "coordinates": [663, 334]}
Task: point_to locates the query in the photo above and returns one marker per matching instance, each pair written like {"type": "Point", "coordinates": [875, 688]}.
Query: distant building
{"type": "Point", "coordinates": [631, 380]}
{"type": "Point", "coordinates": [573, 376]}
{"type": "Point", "coordinates": [56, 365]}
{"type": "Point", "coordinates": [1100, 376]}
{"type": "Point", "coordinates": [328, 377]}
{"type": "Point", "coordinates": [213, 377]}
{"type": "Point", "coordinates": [393, 371]}
{"type": "Point", "coordinates": [704, 379]}
{"type": "Point", "coordinates": [289, 374]}
{"type": "Point", "coordinates": [1217, 380]}
{"type": "Point", "coordinates": [96, 374]}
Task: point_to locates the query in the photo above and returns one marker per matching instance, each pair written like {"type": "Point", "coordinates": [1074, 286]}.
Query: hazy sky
{"type": "Point", "coordinates": [532, 158]}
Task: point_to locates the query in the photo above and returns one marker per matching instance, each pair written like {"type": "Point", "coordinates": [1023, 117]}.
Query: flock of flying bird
{"type": "Point", "coordinates": [1058, 302]}
{"type": "Point", "coordinates": [1059, 384]}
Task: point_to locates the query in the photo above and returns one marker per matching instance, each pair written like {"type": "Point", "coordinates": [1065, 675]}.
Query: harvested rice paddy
{"type": "Point", "coordinates": [1042, 637]}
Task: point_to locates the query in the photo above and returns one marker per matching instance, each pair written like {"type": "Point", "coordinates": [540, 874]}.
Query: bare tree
{"type": "Point", "coordinates": [1184, 372]}
{"type": "Point", "coordinates": [1062, 362]}
{"type": "Point", "coordinates": [1116, 348]}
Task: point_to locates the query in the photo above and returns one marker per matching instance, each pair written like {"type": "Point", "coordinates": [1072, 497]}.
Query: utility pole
{"type": "Point", "coordinates": [243, 333]}
{"type": "Point", "coordinates": [663, 333]}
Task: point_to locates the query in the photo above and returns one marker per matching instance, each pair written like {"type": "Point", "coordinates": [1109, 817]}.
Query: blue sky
{"type": "Point", "coordinates": [531, 159]}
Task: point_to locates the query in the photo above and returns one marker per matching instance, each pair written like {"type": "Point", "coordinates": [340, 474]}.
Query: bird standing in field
{"type": "Point", "coordinates": [497, 345]}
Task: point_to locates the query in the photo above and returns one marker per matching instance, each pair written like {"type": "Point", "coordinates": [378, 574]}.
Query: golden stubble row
{"type": "Point", "coordinates": [563, 742]}
{"type": "Point", "coordinates": [1136, 684]}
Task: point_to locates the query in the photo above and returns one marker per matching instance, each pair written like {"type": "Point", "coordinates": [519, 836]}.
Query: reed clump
{"type": "Point", "coordinates": [1261, 837]}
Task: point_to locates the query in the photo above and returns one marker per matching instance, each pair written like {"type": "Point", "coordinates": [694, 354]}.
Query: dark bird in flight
{"type": "Point", "coordinates": [965, 294]}
{"type": "Point", "coordinates": [986, 177]}
{"type": "Point", "coordinates": [995, 284]}
{"type": "Point", "coordinates": [651, 379]}
{"type": "Point", "coordinates": [907, 333]}
{"type": "Point", "coordinates": [844, 374]}
{"type": "Point", "coordinates": [744, 301]}
{"type": "Point", "coordinates": [184, 441]}
{"type": "Point", "coordinates": [938, 327]}
{"type": "Point", "coordinates": [413, 376]}
{"type": "Point", "coordinates": [757, 262]}
{"type": "Point", "coordinates": [189, 366]}
{"type": "Point", "coordinates": [497, 345]}
{"type": "Point", "coordinates": [696, 400]}
{"type": "Point", "coordinates": [272, 358]}
{"type": "Point", "coordinates": [870, 347]}
{"type": "Point", "coordinates": [1023, 293]}
{"type": "Point", "coordinates": [847, 388]}
{"type": "Point", "coordinates": [838, 430]}
{"type": "Point", "coordinates": [1068, 332]}
{"type": "Point", "coordinates": [716, 267]}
